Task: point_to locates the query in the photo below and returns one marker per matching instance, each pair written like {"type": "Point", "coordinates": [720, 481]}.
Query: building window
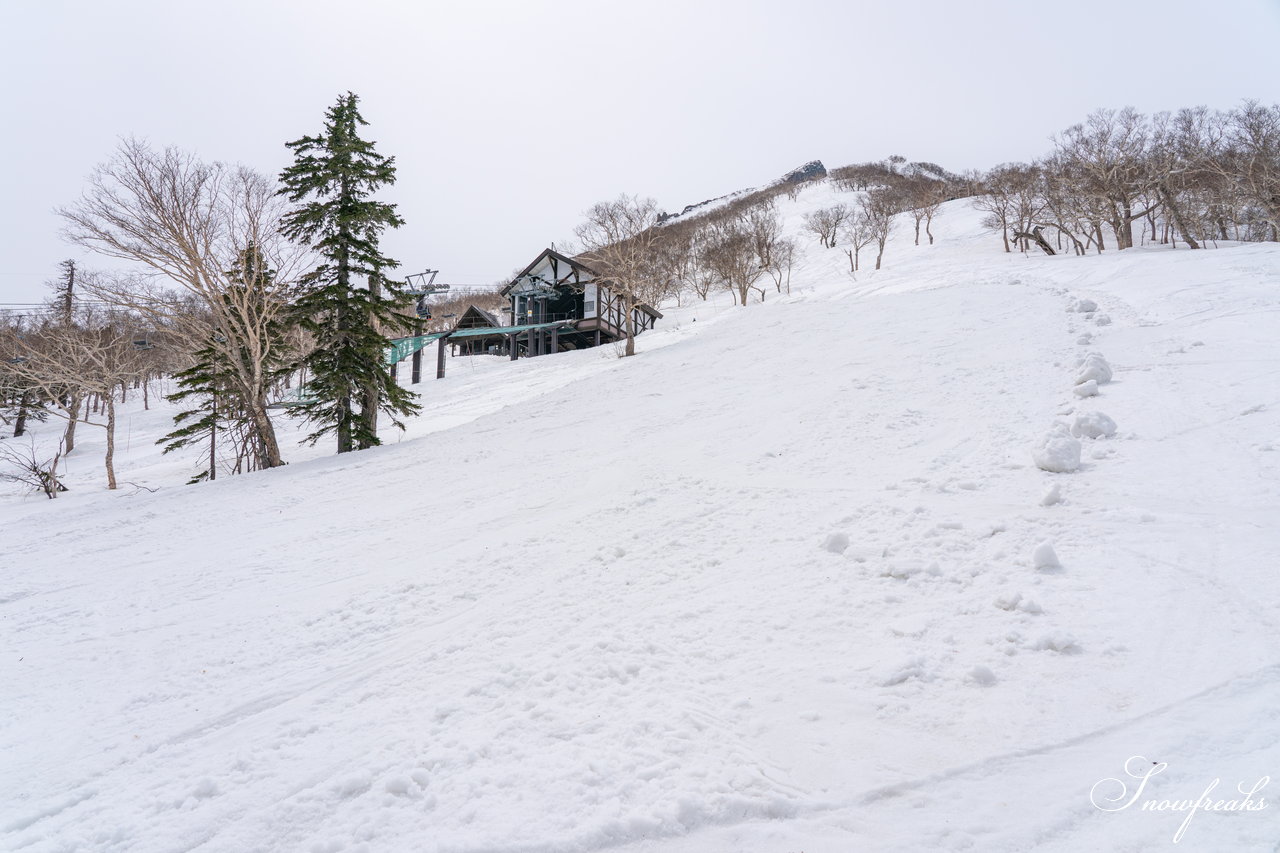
{"type": "Point", "coordinates": [589, 306]}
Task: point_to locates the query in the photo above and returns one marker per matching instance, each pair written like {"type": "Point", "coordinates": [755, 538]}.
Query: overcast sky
{"type": "Point", "coordinates": [508, 119]}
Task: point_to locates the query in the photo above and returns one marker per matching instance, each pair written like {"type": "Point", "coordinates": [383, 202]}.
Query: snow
{"type": "Point", "coordinates": [1093, 425]}
{"type": "Point", "coordinates": [1088, 388]}
{"type": "Point", "coordinates": [1094, 368]}
{"type": "Point", "coordinates": [1044, 557]}
{"type": "Point", "coordinates": [1057, 452]}
{"type": "Point", "coordinates": [591, 603]}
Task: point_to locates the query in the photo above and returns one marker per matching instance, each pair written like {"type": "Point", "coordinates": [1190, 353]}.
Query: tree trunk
{"type": "Point", "coordinates": [111, 440]}
{"type": "Point", "coordinates": [630, 325]}
{"type": "Point", "coordinates": [1175, 213]}
{"type": "Point", "coordinates": [343, 428]}
{"type": "Point", "coordinates": [371, 393]}
{"type": "Point", "coordinates": [20, 424]}
{"type": "Point", "coordinates": [73, 412]}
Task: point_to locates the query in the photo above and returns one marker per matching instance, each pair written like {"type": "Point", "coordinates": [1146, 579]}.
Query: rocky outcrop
{"type": "Point", "coordinates": [811, 171]}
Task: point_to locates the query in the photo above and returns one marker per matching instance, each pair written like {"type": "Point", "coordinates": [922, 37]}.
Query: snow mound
{"type": "Point", "coordinates": [981, 676]}
{"type": "Point", "coordinates": [836, 543]}
{"type": "Point", "coordinates": [1086, 389]}
{"type": "Point", "coordinates": [1044, 557]}
{"type": "Point", "coordinates": [1058, 452]}
{"type": "Point", "coordinates": [1057, 641]}
{"type": "Point", "coordinates": [1094, 366]}
{"type": "Point", "coordinates": [1102, 320]}
{"type": "Point", "coordinates": [1053, 496]}
{"type": "Point", "coordinates": [1083, 306]}
{"type": "Point", "coordinates": [1093, 425]}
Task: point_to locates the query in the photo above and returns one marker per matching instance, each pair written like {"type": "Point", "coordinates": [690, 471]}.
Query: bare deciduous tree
{"type": "Point", "coordinates": [826, 222]}
{"type": "Point", "coordinates": [857, 232]}
{"type": "Point", "coordinates": [94, 356]}
{"type": "Point", "coordinates": [620, 240]}
{"type": "Point", "coordinates": [879, 207]}
{"type": "Point", "coordinates": [191, 223]}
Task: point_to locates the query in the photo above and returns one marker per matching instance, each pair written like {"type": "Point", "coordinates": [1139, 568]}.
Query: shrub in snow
{"type": "Point", "coordinates": [1057, 452]}
{"type": "Point", "coordinates": [1094, 366]}
{"type": "Point", "coordinates": [1093, 425]}
{"type": "Point", "coordinates": [1086, 389]}
{"type": "Point", "coordinates": [836, 543]}
{"type": "Point", "coordinates": [1044, 557]}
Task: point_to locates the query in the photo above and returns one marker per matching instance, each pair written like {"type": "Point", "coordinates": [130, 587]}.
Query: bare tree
{"type": "Point", "coordinates": [1253, 158]}
{"type": "Point", "coordinates": [733, 259]}
{"type": "Point", "coordinates": [826, 222]}
{"type": "Point", "coordinates": [857, 231]}
{"type": "Point", "coordinates": [879, 207]}
{"type": "Point", "coordinates": [1108, 153]}
{"type": "Point", "coordinates": [95, 356]}
{"type": "Point", "coordinates": [620, 240]}
{"type": "Point", "coordinates": [191, 223]}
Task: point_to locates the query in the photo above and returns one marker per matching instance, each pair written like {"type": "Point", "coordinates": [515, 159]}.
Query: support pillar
{"type": "Point", "coordinates": [513, 346]}
{"type": "Point", "coordinates": [555, 340]}
{"type": "Point", "coordinates": [441, 344]}
{"type": "Point", "coordinates": [597, 337]}
{"type": "Point", "coordinates": [417, 357]}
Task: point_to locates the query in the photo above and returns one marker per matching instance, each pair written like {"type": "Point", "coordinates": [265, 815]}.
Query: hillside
{"type": "Point", "coordinates": [767, 586]}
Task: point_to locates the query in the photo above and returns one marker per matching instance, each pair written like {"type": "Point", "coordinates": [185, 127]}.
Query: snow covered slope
{"type": "Point", "coordinates": [771, 585]}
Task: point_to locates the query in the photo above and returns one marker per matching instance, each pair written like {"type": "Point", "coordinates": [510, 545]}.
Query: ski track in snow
{"type": "Point", "coordinates": [769, 586]}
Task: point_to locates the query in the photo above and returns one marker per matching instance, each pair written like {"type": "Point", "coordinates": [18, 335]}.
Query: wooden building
{"type": "Point", "coordinates": [477, 318]}
{"type": "Point", "coordinates": [583, 308]}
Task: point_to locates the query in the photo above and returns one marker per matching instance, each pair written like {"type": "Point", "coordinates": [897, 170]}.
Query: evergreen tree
{"type": "Point", "coordinates": [332, 181]}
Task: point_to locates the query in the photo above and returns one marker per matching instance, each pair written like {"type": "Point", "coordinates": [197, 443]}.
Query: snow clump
{"type": "Point", "coordinates": [1094, 366]}
{"type": "Point", "coordinates": [1086, 389]}
{"type": "Point", "coordinates": [1044, 557]}
{"type": "Point", "coordinates": [1053, 496]}
{"type": "Point", "coordinates": [982, 676]}
{"type": "Point", "coordinates": [1093, 425]}
{"type": "Point", "coordinates": [1058, 452]}
{"type": "Point", "coordinates": [1083, 306]}
{"type": "Point", "coordinates": [836, 543]}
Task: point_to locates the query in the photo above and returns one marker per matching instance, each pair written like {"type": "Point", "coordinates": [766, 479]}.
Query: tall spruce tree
{"type": "Point", "coordinates": [347, 302]}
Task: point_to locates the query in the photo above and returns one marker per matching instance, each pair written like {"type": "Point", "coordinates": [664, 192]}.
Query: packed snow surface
{"type": "Point", "coordinates": [766, 586]}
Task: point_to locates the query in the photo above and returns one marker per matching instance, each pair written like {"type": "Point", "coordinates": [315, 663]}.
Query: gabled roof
{"type": "Point", "coordinates": [553, 255]}
{"type": "Point", "coordinates": [573, 264]}
{"type": "Point", "coordinates": [483, 316]}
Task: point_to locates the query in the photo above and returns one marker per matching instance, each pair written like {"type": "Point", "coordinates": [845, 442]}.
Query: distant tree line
{"type": "Point", "coordinates": [1121, 178]}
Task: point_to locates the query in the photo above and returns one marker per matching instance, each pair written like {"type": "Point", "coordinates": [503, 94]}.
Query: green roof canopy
{"type": "Point", "coordinates": [506, 330]}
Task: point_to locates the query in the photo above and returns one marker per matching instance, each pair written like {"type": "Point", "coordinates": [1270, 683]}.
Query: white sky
{"type": "Point", "coordinates": [508, 119]}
